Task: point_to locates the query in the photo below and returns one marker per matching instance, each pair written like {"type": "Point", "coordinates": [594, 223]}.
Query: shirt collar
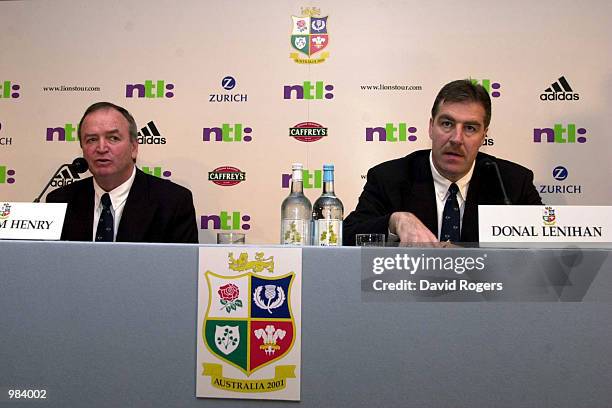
{"type": "Point", "coordinates": [118, 195]}
{"type": "Point", "coordinates": [441, 184]}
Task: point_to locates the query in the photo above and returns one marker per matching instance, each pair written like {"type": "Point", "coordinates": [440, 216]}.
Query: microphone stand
{"type": "Point", "coordinates": [79, 165]}
{"type": "Point", "coordinates": [37, 199]}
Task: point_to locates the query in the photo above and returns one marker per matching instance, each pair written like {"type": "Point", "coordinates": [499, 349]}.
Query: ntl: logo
{"type": "Point", "coordinates": [6, 87]}
{"type": "Point", "coordinates": [157, 172]}
{"type": "Point", "coordinates": [390, 133]}
{"type": "Point", "coordinates": [4, 172]}
{"type": "Point", "coordinates": [310, 179]}
{"type": "Point", "coordinates": [68, 133]}
{"type": "Point", "coordinates": [555, 135]}
{"type": "Point", "coordinates": [309, 91]}
{"type": "Point", "coordinates": [150, 89]}
{"type": "Point", "coordinates": [486, 84]}
{"type": "Point", "coordinates": [227, 133]}
{"type": "Point", "coordinates": [225, 221]}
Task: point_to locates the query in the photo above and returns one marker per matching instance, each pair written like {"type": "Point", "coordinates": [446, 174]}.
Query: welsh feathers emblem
{"type": "Point", "coordinates": [248, 321]}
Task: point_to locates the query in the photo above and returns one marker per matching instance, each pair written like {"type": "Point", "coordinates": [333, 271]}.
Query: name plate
{"type": "Point", "coordinates": [558, 223]}
{"type": "Point", "coordinates": [32, 220]}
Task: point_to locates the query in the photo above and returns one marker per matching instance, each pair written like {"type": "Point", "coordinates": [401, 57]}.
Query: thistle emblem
{"type": "Point", "coordinates": [274, 295]}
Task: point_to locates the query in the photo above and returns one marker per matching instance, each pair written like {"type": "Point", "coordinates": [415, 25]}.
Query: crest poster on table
{"type": "Point", "coordinates": [249, 323]}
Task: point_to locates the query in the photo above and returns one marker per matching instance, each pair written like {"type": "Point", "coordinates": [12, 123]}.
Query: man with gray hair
{"type": "Point", "coordinates": [120, 202]}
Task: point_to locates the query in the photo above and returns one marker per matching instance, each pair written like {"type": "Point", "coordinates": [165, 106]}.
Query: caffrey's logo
{"type": "Point", "coordinates": [309, 35]}
{"type": "Point", "coordinates": [249, 323]}
{"type": "Point", "coordinates": [308, 132]}
{"type": "Point", "coordinates": [226, 176]}
{"type": "Point", "coordinates": [5, 211]}
{"type": "Point", "coordinates": [548, 216]}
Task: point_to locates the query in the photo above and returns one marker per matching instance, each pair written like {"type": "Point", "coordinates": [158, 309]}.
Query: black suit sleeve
{"type": "Point", "coordinates": [529, 194]}
{"type": "Point", "coordinates": [372, 213]}
{"type": "Point", "coordinates": [184, 228]}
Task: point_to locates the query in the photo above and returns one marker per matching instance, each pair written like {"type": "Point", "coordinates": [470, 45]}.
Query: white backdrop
{"type": "Point", "coordinates": [191, 45]}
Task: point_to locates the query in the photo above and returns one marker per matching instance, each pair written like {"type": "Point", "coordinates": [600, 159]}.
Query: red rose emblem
{"type": "Point", "coordinates": [228, 292]}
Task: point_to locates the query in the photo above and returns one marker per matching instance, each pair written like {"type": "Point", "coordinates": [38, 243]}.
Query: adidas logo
{"type": "Point", "coordinates": [559, 91]}
{"type": "Point", "coordinates": [65, 177]}
{"type": "Point", "coordinates": [150, 135]}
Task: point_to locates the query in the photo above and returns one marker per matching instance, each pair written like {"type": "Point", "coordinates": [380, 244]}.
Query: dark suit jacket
{"type": "Point", "coordinates": [406, 184]}
{"type": "Point", "coordinates": [156, 210]}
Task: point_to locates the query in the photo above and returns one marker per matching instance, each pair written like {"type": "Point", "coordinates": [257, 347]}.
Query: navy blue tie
{"type": "Point", "coordinates": [106, 226]}
{"type": "Point", "coordinates": [451, 218]}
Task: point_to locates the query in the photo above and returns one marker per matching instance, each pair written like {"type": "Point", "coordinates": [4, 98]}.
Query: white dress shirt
{"type": "Point", "coordinates": [118, 197]}
{"type": "Point", "coordinates": [441, 185]}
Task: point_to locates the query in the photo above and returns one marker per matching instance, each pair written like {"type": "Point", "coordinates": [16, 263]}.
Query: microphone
{"type": "Point", "coordinates": [78, 165]}
{"type": "Point", "coordinates": [491, 163]}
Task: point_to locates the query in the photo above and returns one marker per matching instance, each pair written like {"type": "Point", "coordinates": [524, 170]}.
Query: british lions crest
{"type": "Point", "coordinates": [5, 210]}
{"type": "Point", "coordinates": [248, 322]}
{"type": "Point", "coordinates": [309, 36]}
{"type": "Point", "coordinates": [549, 216]}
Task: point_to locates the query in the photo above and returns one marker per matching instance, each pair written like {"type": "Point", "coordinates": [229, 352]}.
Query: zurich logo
{"type": "Point", "coordinates": [560, 173]}
{"type": "Point", "coordinates": [228, 83]}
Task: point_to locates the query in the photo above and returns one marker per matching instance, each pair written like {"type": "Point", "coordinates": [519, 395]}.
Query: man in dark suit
{"type": "Point", "coordinates": [120, 202]}
{"type": "Point", "coordinates": [418, 198]}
